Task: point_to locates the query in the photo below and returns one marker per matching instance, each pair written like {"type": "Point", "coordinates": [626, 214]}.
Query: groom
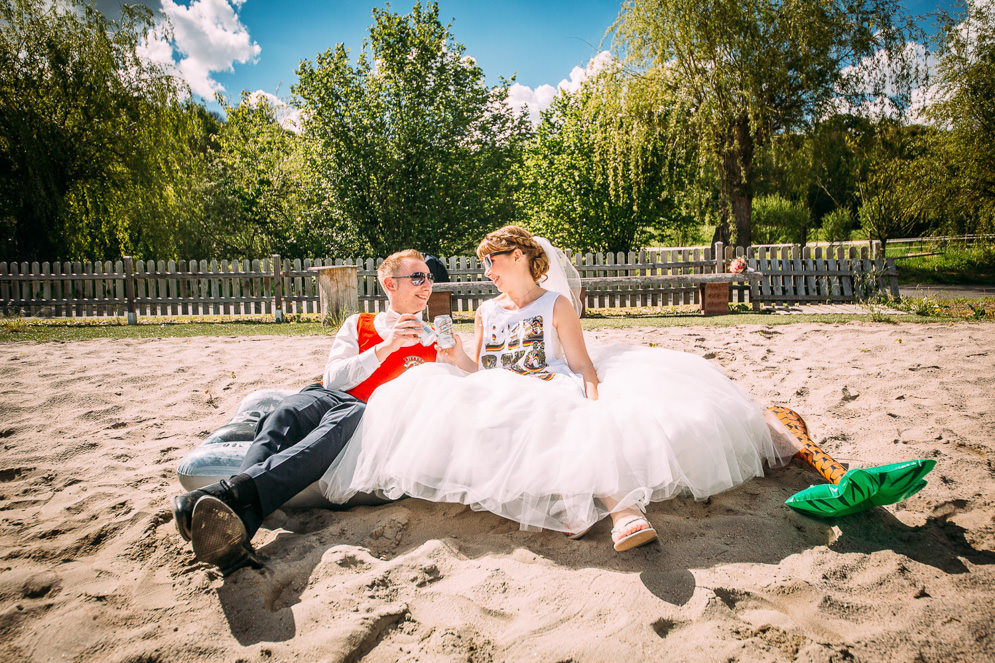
{"type": "Point", "coordinates": [297, 442]}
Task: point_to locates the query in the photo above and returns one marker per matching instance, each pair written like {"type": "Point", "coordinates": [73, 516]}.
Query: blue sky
{"type": "Point", "coordinates": [232, 45]}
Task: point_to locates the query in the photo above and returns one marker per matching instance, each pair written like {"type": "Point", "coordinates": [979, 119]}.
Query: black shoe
{"type": "Point", "coordinates": [219, 536]}
{"type": "Point", "coordinates": [183, 505]}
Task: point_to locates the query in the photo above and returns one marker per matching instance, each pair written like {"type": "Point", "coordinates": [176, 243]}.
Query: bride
{"type": "Point", "coordinates": [558, 438]}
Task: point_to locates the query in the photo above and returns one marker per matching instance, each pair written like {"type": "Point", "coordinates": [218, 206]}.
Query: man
{"type": "Point", "coordinates": [296, 443]}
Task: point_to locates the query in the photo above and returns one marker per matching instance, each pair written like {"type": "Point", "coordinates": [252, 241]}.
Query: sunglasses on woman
{"type": "Point", "coordinates": [488, 259]}
{"type": "Point", "coordinates": [417, 278]}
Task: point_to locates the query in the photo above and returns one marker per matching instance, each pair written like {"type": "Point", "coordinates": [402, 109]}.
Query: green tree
{"type": "Point", "coordinates": [746, 70]}
{"type": "Point", "coordinates": [889, 182]}
{"type": "Point", "coordinates": [588, 183]}
{"type": "Point", "coordinates": [778, 220]}
{"type": "Point", "coordinates": [85, 131]}
{"type": "Point", "coordinates": [408, 147]}
{"type": "Point", "coordinates": [959, 169]}
{"type": "Point", "coordinates": [257, 193]}
{"type": "Point", "coordinates": [836, 225]}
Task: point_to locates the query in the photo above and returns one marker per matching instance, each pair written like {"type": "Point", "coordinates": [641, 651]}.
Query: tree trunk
{"type": "Point", "coordinates": [742, 210]}
{"type": "Point", "coordinates": [737, 177]}
{"type": "Point", "coordinates": [721, 233]}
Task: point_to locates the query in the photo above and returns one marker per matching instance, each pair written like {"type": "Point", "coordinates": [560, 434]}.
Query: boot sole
{"type": "Point", "coordinates": [218, 534]}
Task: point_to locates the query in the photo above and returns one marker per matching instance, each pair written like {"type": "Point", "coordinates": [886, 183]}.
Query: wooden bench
{"type": "Point", "coordinates": [713, 289]}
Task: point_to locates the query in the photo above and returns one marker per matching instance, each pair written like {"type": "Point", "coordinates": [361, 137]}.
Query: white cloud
{"type": "Point", "coordinates": [980, 13]}
{"type": "Point", "coordinates": [207, 36]}
{"type": "Point", "coordinates": [597, 64]}
{"type": "Point", "coordinates": [976, 26]}
{"type": "Point", "coordinates": [532, 101]}
{"type": "Point", "coordinates": [878, 79]}
{"type": "Point", "coordinates": [288, 116]}
{"type": "Point", "coordinates": [537, 100]}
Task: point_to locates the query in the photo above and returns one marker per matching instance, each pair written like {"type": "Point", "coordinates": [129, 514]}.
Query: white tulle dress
{"type": "Point", "coordinates": [519, 438]}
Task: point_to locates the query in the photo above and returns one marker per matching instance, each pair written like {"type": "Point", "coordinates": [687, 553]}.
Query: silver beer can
{"type": "Point", "coordinates": [444, 331]}
{"type": "Point", "coordinates": [427, 334]}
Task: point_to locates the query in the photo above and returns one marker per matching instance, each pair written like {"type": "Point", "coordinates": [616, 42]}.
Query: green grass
{"type": "Point", "coordinates": [925, 309]}
{"type": "Point", "coordinates": [19, 329]}
{"type": "Point", "coordinates": [973, 266]}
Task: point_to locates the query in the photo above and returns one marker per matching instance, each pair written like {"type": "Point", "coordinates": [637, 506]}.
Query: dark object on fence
{"type": "Point", "coordinates": [438, 268]}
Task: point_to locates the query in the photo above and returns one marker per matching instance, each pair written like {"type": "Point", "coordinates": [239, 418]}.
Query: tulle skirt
{"type": "Point", "coordinates": [540, 453]}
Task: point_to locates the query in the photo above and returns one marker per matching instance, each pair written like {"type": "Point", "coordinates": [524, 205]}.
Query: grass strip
{"type": "Point", "coordinates": [919, 310]}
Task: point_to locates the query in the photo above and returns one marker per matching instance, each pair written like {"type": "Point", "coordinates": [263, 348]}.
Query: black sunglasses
{"type": "Point", "coordinates": [417, 278]}
{"type": "Point", "coordinates": [488, 262]}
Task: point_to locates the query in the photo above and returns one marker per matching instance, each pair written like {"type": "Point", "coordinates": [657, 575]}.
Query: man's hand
{"type": "Point", "coordinates": [407, 331]}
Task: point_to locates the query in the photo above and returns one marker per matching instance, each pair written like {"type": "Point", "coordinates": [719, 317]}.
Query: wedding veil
{"type": "Point", "coordinates": [562, 276]}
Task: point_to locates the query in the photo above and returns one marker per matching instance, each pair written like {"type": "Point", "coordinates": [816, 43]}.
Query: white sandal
{"type": "Point", "coordinates": [640, 537]}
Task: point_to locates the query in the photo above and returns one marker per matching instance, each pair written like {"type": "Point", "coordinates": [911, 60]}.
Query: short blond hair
{"type": "Point", "coordinates": [392, 263]}
{"type": "Point", "coordinates": [510, 238]}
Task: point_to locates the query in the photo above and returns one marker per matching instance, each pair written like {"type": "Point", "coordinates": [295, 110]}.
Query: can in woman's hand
{"type": "Point", "coordinates": [444, 331]}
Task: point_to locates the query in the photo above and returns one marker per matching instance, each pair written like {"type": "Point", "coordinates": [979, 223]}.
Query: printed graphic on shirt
{"type": "Point", "coordinates": [518, 347]}
{"type": "Point", "coordinates": [412, 360]}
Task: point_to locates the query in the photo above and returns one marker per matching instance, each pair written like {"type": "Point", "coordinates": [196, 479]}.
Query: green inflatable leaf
{"type": "Point", "coordinates": [862, 489]}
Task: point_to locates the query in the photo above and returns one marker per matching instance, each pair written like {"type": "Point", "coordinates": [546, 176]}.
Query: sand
{"type": "Point", "coordinates": [92, 569]}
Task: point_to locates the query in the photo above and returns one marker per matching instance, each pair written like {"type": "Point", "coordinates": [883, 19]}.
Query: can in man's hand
{"type": "Point", "coordinates": [427, 334]}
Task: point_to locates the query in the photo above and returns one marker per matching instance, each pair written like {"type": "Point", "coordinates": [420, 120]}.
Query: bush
{"type": "Point", "coordinates": [777, 220]}
{"type": "Point", "coordinates": [836, 225]}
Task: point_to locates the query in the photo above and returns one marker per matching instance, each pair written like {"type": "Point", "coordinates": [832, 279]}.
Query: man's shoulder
{"type": "Point", "coordinates": [352, 322]}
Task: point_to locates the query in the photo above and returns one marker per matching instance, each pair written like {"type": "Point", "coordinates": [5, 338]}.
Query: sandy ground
{"type": "Point", "coordinates": [91, 567]}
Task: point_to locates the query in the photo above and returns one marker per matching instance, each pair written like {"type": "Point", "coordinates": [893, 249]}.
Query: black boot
{"type": "Point", "coordinates": [219, 536]}
{"type": "Point", "coordinates": [231, 492]}
{"type": "Point", "coordinates": [219, 520]}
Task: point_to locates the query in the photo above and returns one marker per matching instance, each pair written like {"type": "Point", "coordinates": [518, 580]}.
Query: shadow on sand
{"type": "Point", "coordinates": [749, 524]}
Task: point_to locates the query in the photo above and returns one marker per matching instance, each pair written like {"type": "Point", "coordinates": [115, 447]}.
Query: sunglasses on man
{"type": "Point", "coordinates": [488, 259]}
{"type": "Point", "coordinates": [417, 278]}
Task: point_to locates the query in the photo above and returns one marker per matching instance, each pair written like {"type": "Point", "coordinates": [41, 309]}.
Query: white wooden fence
{"type": "Point", "coordinates": [244, 287]}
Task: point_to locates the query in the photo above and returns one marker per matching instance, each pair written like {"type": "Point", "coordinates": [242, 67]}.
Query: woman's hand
{"type": "Point", "coordinates": [456, 355]}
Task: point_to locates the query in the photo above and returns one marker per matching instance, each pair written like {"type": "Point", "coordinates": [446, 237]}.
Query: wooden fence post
{"type": "Point", "coordinates": [129, 291]}
{"type": "Point", "coordinates": [339, 287]}
{"type": "Point", "coordinates": [720, 256]}
{"type": "Point", "coordinates": [277, 290]}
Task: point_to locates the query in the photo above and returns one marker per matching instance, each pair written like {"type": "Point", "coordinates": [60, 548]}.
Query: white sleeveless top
{"type": "Point", "coordinates": [524, 341]}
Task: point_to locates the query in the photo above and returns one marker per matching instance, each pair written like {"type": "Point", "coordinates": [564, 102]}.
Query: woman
{"type": "Point", "coordinates": [555, 440]}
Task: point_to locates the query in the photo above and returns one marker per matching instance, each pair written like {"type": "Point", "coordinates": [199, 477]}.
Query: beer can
{"type": "Point", "coordinates": [427, 334]}
{"type": "Point", "coordinates": [444, 331]}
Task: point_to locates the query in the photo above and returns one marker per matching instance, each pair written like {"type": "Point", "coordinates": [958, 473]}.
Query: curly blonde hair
{"type": "Point", "coordinates": [510, 238]}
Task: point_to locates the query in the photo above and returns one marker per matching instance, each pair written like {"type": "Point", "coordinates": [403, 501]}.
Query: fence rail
{"type": "Point", "coordinates": [789, 274]}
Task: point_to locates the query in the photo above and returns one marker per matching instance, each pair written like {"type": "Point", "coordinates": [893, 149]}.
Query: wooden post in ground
{"type": "Point", "coordinates": [440, 303]}
{"type": "Point", "coordinates": [129, 291]}
{"type": "Point", "coordinates": [338, 286]}
{"type": "Point", "coordinates": [278, 290]}
{"type": "Point", "coordinates": [714, 298]}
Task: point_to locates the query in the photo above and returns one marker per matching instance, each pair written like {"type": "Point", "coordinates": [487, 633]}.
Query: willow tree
{"type": "Point", "coordinates": [594, 179]}
{"type": "Point", "coordinates": [744, 70]}
{"type": "Point", "coordinates": [96, 148]}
